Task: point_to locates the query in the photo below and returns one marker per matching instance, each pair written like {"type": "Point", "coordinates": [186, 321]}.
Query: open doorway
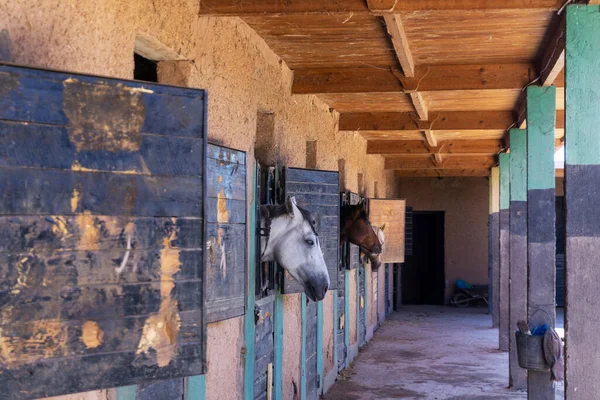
{"type": "Point", "coordinates": [423, 278]}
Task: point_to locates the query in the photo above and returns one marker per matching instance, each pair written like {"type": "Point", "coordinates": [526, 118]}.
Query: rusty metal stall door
{"type": "Point", "coordinates": [102, 192]}
{"type": "Point", "coordinates": [317, 191]}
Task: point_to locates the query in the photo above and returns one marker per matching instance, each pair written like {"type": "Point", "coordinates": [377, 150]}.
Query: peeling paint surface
{"type": "Point", "coordinates": [161, 329]}
{"type": "Point", "coordinates": [36, 341]}
{"type": "Point", "coordinates": [91, 334]}
{"type": "Point", "coordinates": [102, 118]}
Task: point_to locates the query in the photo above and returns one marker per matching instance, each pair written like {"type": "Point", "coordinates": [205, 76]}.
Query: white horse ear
{"type": "Point", "coordinates": [291, 207]}
{"type": "Point", "coordinates": [382, 227]}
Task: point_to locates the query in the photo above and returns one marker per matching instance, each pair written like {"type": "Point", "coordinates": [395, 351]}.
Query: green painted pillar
{"type": "Point", "coordinates": [195, 388]}
{"type": "Point", "coordinates": [503, 336]}
{"type": "Point", "coordinates": [582, 201]}
{"type": "Point", "coordinates": [541, 216]}
{"type": "Point", "coordinates": [518, 251]}
{"type": "Point", "coordinates": [249, 322]}
{"type": "Point", "coordinates": [494, 245]}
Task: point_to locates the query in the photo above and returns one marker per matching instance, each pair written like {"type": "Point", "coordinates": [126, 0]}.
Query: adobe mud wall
{"type": "Point", "coordinates": [465, 202]}
{"type": "Point", "coordinates": [243, 77]}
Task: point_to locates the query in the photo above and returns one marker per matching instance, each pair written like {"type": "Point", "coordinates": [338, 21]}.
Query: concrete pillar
{"type": "Point", "coordinates": [541, 215]}
{"type": "Point", "coordinates": [494, 244]}
{"type": "Point", "coordinates": [582, 200]}
{"type": "Point", "coordinates": [503, 337]}
{"type": "Point", "coordinates": [518, 250]}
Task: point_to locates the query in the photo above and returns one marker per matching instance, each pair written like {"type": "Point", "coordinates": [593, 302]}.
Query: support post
{"type": "Point", "coordinates": [494, 245]}
{"type": "Point", "coordinates": [582, 200]}
{"type": "Point", "coordinates": [503, 317]}
{"type": "Point", "coordinates": [541, 216]}
{"type": "Point", "coordinates": [518, 250]}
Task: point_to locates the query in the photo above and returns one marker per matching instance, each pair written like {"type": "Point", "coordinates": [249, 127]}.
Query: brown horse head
{"type": "Point", "coordinates": [356, 229]}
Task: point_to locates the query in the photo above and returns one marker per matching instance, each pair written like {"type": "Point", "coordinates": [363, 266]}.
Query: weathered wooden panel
{"type": "Point", "coordinates": [312, 377]}
{"type": "Point", "coordinates": [225, 234]}
{"type": "Point", "coordinates": [340, 324]}
{"type": "Point", "coordinates": [362, 323]}
{"type": "Point", "coordinates": [390, 213]}
{"type": "Point", "coordinates": [317, 191]}
{"type": "Point", "coordinates": [101, 234]}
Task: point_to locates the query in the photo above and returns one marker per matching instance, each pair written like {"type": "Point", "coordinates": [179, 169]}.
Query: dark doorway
{"type": "Point", "coordinates": [144, 69]}
{"type": "Point", "coordinates": [423, 280]}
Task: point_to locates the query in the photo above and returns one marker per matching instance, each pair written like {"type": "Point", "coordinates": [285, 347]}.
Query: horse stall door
{"type": "Point", "coordinates": [362, 323]}
{"type": "Point", "coordinates": [102, 233]}
{"type": "Point", "coordinates": [317, 191]}
{"type": "Point", "coordinates": [264, 309]}
{"type": "Point", "coordinates": [340, 324]}
{"type": "Point", "coordinates": [225, 233]}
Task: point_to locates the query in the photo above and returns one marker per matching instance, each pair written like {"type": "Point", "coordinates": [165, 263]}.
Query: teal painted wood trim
{"type": "Point", "coordinates": [320, 361]}
{"type": "Point", "coordinates": [541, 124]}
{"type": "Point", "coordinates": [346, 315]}
{"type": "Point", "coordinates": [518, 165]}
{"type": "Point", "coordinates": [357, 306]}
{"type": "Point", "coordinates": [278, 358]}
{"type": "Point", "coordinates": [335, 333]}
{"type": "Point", "coordinates": [504, 181]}
{"type": "Point", "coordinates": [366, 303]}
{"type": "Point", "coordinates": [249, 323]}
{"type": "Point", "coordinates": [303, 348]}
{"type": "Point", "coordinates": [582, 67]}
{"type": "Point", "coordinates": [195, 387]}
{"type": "Point", "coordinates": [126, 392]}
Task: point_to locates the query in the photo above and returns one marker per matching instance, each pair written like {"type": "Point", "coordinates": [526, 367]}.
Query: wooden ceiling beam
{"type": "Point", "coordinates": [449, 162]}
{"type": "Point", "coordinates": [260, 7]}
{"type": "Point", "coordinates": [428, 78]}
{"type": "Point", "coordinates": [395, 29]}
{"type": "Point", "coordinates": [389, 147]}
{"type": "Point", "coordinates": [434, 173]}
{"type": "Point", "coordinates": [420, 105]}
{"type": "Point", "coordinates": [430, 138]}
{"type": "Point", "coordinates": [456, 120]}
{"type": "Point", "coordinates": [553, 60]}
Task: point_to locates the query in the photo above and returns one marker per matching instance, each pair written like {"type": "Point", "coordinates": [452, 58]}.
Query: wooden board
{"type": "Point", "coordinates": [312, 375]}
{"type": "Point", "coordinates": [309, 41]}
{"type": "Point", "coordinates": [318, 192]}
{"type": "Point", "coordinates": [473, 36]}
{"type": "Point", "coordinates": [392, 214]}
{"type": "Point", "coordinates": [101, 231]}
{"type": "Point", "coordinates": [227, 237]}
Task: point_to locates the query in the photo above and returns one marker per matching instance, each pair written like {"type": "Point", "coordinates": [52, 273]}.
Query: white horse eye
{"type": "Point", "coordinates": [310, 242]}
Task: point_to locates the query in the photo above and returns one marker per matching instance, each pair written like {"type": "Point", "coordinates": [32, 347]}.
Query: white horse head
{"type": "Point", "coordinates": [293, 243]}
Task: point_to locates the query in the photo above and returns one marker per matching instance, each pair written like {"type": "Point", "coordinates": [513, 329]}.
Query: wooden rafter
{"type": "Point", "coordinates": [456, 120]}
{"type": "Point", "coordinates": [400, 42]}
{"type": "Point", "coordinates": [249, 7]}
{"type": "Point", "coordinates": [389, 147]}
{"type": "Point", "coordinates": [427, 78]}
{"type": "Point", "coordinates": [553, 60]}
{"type": "Point", "coordinates": [430, 138]}
{"type": "Point", "coordinates": [420, 105]}
{"type": "Point", "coordinates": [431, 173]}
{"type": "Point", "coordinates": [450, 162]}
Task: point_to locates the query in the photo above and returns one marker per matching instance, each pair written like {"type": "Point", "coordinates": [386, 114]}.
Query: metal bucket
{"type": "Point", "coordinates": [530, 351]}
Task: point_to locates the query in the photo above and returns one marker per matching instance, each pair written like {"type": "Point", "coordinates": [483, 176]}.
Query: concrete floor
{"type": "Point", "coordinates": [430, 353]}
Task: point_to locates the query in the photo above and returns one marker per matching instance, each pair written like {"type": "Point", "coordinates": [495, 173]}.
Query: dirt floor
{"type": "Point", "coordinates": [430, 353]}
